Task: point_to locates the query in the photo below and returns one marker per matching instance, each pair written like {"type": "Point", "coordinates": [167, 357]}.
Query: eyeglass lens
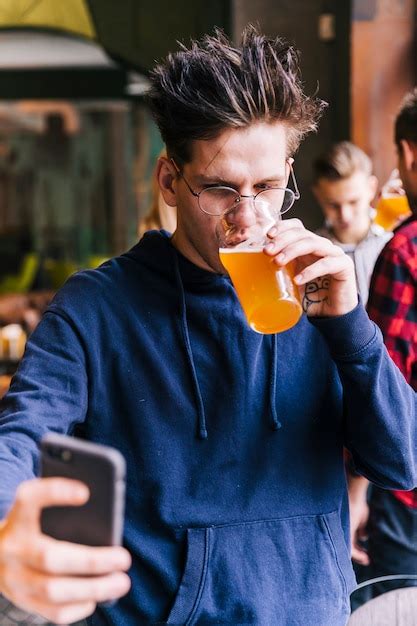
{"type": "Point", "coordinates": [219, 200]}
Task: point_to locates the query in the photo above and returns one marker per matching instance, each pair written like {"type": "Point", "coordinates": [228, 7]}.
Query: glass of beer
{"type": "Point", "coordinates": [392, 206]}
{"type": "Point", "coordinates": [267, 293]}
{"type": "Point", "coordinates": [391, 209]}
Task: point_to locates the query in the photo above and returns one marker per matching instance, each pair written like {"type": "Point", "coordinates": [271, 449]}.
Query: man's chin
{"type": "Point", "coordinates": [344, 231]}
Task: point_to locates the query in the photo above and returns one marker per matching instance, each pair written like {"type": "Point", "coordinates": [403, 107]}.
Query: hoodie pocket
{"type": "Point", "coordinates": [284, 572]}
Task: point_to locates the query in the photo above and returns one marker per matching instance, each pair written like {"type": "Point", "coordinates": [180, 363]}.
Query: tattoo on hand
{"type": "Point", "coordinates": [316, 292]}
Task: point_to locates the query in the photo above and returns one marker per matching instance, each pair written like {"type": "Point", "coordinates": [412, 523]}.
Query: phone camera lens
{"type": "Point", "coordinates": [66, 455]}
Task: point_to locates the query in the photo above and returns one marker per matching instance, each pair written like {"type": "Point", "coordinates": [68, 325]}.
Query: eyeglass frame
{"type": "Point", "coordinates": [239, 196]}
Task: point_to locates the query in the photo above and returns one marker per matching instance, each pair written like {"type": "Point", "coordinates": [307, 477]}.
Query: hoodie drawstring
{"type": "Point", "coordinates": [202, 429]}
{"type": "Point", "coordinates": [275, 423]}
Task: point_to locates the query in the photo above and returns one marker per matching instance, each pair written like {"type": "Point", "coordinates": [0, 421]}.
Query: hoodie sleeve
{"type": "Point", "coordinates": [380, 408]}
{"type": "Point", "coordinates": [48, 393]}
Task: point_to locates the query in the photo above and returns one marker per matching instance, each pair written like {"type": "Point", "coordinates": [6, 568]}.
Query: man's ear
{"type": "Point", "coordinates": [409, 154]}
{"type": "Point", "coordinates": [166, 177]}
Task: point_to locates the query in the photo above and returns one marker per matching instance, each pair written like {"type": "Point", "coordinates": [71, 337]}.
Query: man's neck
{"type": "Point", "coordinates": [353, 240]}
{"type": "Point", "coordinates": [190, 253]}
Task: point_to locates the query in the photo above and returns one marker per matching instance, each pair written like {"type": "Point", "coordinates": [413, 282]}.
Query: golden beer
{"type": "Point", "coordinates": [268, 296]}
{"type": "Point", "coordinates": [390, 210]}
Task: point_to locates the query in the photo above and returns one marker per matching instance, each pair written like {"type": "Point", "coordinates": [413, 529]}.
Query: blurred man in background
{"type": "Point", "coordinates": [392, 524]}
{"type": "Point", "coordinates": [344, 186]}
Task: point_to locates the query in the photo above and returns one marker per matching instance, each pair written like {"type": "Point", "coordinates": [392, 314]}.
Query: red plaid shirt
{"type": "Point", "coordinates": [393, 306]}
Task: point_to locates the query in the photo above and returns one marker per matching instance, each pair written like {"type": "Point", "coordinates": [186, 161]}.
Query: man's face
{"type": "Point", "coordinates": [345, 204]}
{"type": "Point", "coordinates": [407, 160]}
{"type": "Point", "coordinates": [248, 160]}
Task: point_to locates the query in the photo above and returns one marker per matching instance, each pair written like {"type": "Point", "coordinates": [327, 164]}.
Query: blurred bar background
{"type": "Point", "coordinates": [78, 146]}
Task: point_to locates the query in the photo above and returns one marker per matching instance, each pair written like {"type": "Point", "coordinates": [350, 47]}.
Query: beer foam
{"type": "Point", "coordinates": [238, 249]}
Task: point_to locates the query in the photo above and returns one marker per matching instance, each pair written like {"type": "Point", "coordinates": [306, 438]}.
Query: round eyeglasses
{"type": "Point", "coordinates": [219, 200]}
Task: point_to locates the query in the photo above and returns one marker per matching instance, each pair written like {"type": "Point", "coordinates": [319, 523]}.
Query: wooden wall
{"type": "Point", "coordinates": [325, 65]}
{"type": "Point", "coordinates": [383, 69]}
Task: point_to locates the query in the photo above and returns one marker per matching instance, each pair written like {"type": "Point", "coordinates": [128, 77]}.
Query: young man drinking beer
{"type": "Point", "coordinates": [236, 496]}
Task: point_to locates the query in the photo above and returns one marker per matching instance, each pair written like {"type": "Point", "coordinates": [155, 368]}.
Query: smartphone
{"type": "Point", "coordinates": [99, 522]}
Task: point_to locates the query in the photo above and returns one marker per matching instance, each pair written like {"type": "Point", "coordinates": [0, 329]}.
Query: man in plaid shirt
{"type": "Point", "coordinates": [392, 521]}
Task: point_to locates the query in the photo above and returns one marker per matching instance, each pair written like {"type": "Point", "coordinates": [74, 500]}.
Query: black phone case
{"type": "Point", "coordinates": [99, 522]}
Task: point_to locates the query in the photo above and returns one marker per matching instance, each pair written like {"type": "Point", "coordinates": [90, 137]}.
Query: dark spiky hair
{"type": "Point", "coordinates": [200, 91]}
{"type": "Point", "coordinates": [406, 120]}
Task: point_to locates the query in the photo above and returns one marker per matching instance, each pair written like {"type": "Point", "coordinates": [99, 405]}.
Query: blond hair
{"type": "Point", "coordinates": [342, 160]}
{"type": "Point", "coordinates": [159, 215]}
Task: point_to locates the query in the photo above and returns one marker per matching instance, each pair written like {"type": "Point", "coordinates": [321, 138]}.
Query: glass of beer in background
{"type": "Point", "coordinates": [392, 206]}
{"type": "Point", "coordinates": [267, 293]}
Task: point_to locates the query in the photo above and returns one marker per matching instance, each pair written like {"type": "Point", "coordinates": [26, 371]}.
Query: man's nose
{"type": "Point", "coordinates": [346, 213]}
{"type": "Point", "coordinates": [243, 215]}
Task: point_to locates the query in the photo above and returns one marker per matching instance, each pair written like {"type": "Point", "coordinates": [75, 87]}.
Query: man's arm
{"type": "Point", "coordinates": [56, 579]}
{"type": "Point", "coordinates": [358, 514]}
{"type": "Point", "coordinates": [379, 406]}
{"type": "Point", "coordinates": [48, 393]}
{"type": "Point", "coordinates": [393, 307]}
{"type": "Point", "coordinates": [38, 573]}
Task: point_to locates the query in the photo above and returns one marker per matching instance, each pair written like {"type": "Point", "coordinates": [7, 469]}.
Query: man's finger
{"type": "Point", "coordinates": [299, 246]}
{"type": "Point", "coordinates": [337, 267]}
{"type": "Point", "coordinates": [278, 244]}
{"type": "Point", "coordinates": [34, 495]}
{"type": "Point", "coordinates": [360, 556]}
{"type": "Point", "coordinates": [65, 589]}
{"type": "Point", "coordinates": [278, 237]}
{"type": "Point", "coordinates": [58, 614]}
{"type": "Point", "coordinates": [62, 557]}
{"type": "Point", "coordinates": [284, 226]}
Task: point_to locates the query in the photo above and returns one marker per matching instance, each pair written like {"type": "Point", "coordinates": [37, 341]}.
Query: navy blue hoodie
{"type": "Point", "coordinates": [236, 496]}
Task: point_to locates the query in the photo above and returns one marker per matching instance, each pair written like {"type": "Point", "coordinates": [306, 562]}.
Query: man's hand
{"type": "Point", "coordinates": [58, 580]}
{"type": "Point", "coordinates": [324, 273]}
{"type": "Point", "coordinates": [359, 514]}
